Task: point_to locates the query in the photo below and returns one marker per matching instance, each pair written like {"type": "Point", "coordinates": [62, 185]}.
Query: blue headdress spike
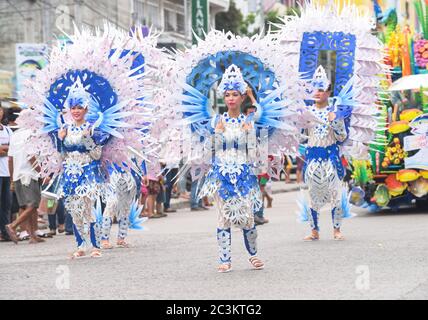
{"type": "Point", "coordinates": [232, 80]}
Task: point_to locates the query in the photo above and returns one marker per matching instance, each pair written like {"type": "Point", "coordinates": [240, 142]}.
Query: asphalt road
{"type": "Point", "coordinates": [384, 257]}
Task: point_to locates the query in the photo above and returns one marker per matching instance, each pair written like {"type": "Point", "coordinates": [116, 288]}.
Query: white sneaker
{"type": "Point", "coordinates": [24, 235]}
{"type": "Point", "coordinates": [42, 234]}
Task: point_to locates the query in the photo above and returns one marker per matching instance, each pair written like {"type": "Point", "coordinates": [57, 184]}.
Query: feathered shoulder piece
{"type": "Point", "coordinates": [359, 62]}
{"type": "Point", "coordinates": [95, 73]}
{"type": "Point", "coordinates": [221, 62]}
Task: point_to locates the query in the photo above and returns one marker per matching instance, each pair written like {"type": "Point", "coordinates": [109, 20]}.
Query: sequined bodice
{"type": "Point", "coordinates": [75, 135]}
{"type": "Point", "coordinates": [321, 135]}
{"type": "Point", "coordinates": [76, 144]}
{"type": "Point", "coordinates": [234, 140]}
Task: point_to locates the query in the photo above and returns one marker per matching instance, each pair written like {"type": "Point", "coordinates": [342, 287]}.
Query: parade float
{"type": "Point", "coordinates": [396, 174]}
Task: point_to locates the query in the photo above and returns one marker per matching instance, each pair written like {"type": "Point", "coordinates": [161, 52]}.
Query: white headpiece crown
{"type": "Point", "coordinates": [232, 80]}
{"type": "Point", "coordinates": [77, 95]}
{"type": "Point", "coordinates": [320, 79]}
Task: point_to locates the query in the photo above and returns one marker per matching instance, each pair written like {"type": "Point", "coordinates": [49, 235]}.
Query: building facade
{"type": "Point", "coordinates": [43, 21]}
{"type": "Point", "coordinates": [173, 17]}
{"type": "Point", "coordinates": [255, 7]}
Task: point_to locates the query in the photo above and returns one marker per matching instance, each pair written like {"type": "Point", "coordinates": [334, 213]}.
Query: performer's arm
{"type": "Point", "coordinates": [4, 150]}
{"type": "Point", "coordinates": [250, 95]}
{"type": "Point", "coordinates": [219, 127]}
{"type": "Point", "coordinates": [12, 184]}
{"type": "Point", "coordinates": [58, 137]}
{"type": "Point", "coordinates": [94, 150]}
{"type": "Point", "coordinates": [35, 164]}
{"type": "Point", "coordinates": [338, 126]}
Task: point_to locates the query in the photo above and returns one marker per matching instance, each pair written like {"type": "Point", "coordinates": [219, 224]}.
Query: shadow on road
{"type": "Point", "coordinates": [410, 210]}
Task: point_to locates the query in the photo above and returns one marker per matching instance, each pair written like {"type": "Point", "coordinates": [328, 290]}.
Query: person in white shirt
{"type": "Point", "coordinates": [25, 180]}
{"type": "Point", "coordinates": [5, 195]}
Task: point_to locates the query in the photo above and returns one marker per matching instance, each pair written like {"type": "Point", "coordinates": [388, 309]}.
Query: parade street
{"type": "Point", "coordinates": [384, 256]}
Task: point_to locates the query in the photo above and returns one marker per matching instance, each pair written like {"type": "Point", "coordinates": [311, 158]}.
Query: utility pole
{"type": "Point", "coordinates": [186, 19]}
{"type": "Point", "coordinates": [78, 12]}
{"type": "Point", "coordinates": [162, 17]}
{"type": "Point", "coordinates": [133, 13]}
{"type": "Point", "coordinates": [29, 29]}
{"type": "Point", "coordinates": [46, 25]}
{"type": "Point", "coordinates": [260, 9]}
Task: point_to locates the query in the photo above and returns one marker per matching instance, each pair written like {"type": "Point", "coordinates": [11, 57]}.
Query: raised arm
{"type": "Point", "coordinates": [338, 126]}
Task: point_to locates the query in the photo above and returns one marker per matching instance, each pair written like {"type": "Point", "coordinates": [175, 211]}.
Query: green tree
{"type": "Point", "coordinates": [291, 11]}
{"type": "Point", "coordinates": [232, 20]}
{"type": "Point", "coordinates": [248, 21]}
{"type": "Point", "coordinates": [273, 17]}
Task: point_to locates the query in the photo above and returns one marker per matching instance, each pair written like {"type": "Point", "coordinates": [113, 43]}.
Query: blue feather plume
{"type": "Point", "coordinates": [346, 206]}
{"type": "Point", "coordinates": [304, 208]}
{"type": "Point", "coordinates": [270, 109]}
{"type": "Point", "coordinates": [134, 216]}
{"type": "Point", "coordinates": [98, 212]}
{"type": "Point", "coordinates": [377, 10]}
{"type": "Point", "coordinates": [344, 102]}
{"type": "Point", "coordinates": [195, 106]}
{"type": "Point", "coordinates": [110, 119]}
{"type": "Point", "coordinates": [51, 117]}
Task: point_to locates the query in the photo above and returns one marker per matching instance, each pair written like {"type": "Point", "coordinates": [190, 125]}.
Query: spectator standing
{"type": "Point", "coordinates": [154, 195]}
{"type": "Point", "coordinates": [26, 184]}
{"type": "Point", "coordinates": [57, 220]}
{"type": "Point", "coordinates": [195, 202]}
{"type": "Point", "coordinates": [12, 115]}
{"type": "Point", "coordinates": [5, 193]}
{"type": "Point", "coordinates": [170, 178]}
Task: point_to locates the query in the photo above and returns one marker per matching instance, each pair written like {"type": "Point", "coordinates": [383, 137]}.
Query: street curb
{"type": "Point", "coordinates": [286, 190]}
{"type": "Point", "coordinates": [186, 203]}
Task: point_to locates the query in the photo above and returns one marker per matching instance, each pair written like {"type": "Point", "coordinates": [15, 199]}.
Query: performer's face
{"type": "Point", "coordinates": [78, 113]}
{"type": "Point", "coordinates": [233, 99]}
{"type": "Point", "coordinates": [321, 96]}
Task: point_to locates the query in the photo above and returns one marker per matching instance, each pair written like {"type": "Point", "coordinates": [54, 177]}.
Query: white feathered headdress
{"type": "Point", "coordinates": [77, 96]}
{"type": "Point", "coordinates": [232, 80]}
{"type": "Point", "coordinates": [320, 80]}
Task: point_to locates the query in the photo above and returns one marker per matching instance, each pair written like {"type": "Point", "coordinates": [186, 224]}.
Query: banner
{"type": "Point", "coordinates": [199, 18]}
{"type": "Point", "coordinates": [29, 58]}
{"type": "Point", "coordinates": [415, 142]}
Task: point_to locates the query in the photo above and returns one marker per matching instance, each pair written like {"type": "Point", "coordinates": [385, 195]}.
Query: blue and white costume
{"type": "Point", "coordinates": [323, 169]}
{"type": "Point", "coordinates": [97, 75]}
{"type": "Point", "coordinates": [226, 161]}
{"type": "Point", "coordinates": [121, 195]}
{"type": "Point", "coordinates": [82, 181]}
{"type": "Point", "coordinates": [358, 71]}
{"type": "Point", "coordinates": [232, 182]}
